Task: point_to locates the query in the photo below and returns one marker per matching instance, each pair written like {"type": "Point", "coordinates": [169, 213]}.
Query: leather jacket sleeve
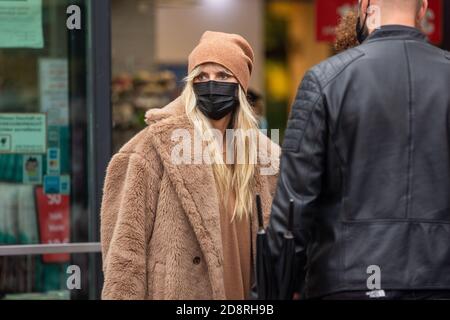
{"type": "Point", "coordinates": [301, 170]}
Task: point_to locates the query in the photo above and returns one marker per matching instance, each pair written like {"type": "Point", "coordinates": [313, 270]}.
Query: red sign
{"type": "Point", "coordinates": [329, 12]}
{"type": "Point", "coordinates": [54, 222]}
{"type": "Point", "coordinates": [432, 24]}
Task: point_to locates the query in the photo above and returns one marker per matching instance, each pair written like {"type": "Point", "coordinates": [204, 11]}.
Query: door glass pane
{"type": "Point", "coordinates": [43, 133]}
{"type": "Point", "coordinates": [44, 138]}
{"type": "Point", "coordinates": [29, 278]}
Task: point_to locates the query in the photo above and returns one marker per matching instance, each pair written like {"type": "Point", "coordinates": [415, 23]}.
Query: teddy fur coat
{"type": "Point", "coordinates": [160, 225]}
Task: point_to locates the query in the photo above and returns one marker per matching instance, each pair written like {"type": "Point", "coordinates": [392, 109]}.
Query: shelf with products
{"type": "Point", "coordinates": [133, 95]}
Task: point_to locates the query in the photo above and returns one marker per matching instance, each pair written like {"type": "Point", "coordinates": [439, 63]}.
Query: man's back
{"type": "Point", "coordinates": [390, 113]}
{"type": "Point", "coordinates": [370, 144]}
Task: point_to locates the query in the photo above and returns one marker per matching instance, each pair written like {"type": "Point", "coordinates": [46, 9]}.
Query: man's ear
{"type": "Point", "coordinates": [364, 7]}
{"type": "Point", "coordinates": [422, 10]}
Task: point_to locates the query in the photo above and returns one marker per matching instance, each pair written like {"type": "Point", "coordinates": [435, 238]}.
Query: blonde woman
{"type": "Point", "coordinates": [178, 219]}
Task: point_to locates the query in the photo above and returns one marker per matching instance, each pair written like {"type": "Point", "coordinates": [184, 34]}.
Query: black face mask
{"type": "Point", "coordinates": [362, 32]}
{"type": "Point", "coordinates": [215, 99]}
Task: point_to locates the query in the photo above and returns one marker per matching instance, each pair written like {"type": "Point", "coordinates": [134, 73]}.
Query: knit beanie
{"type": "Point", "coordinates": [231, 51]}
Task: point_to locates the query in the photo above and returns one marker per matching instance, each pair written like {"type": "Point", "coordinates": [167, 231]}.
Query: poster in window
{"type": "Point", "coordinates": [21, 24]}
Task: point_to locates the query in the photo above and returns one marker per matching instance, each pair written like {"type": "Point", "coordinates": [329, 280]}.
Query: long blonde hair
{"type": "Point", "coordinates": [237, 179]}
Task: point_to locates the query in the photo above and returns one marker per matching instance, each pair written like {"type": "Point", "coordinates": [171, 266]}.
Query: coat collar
{"type": "Point", "coordinates": [194, 184]}
{"type": "Point", "coordinates": [396, 32]}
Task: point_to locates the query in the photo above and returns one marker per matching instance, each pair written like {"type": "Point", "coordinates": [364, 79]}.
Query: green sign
{"type": "Point", "coordinates": [21, 24]}
{"type": "Point", "coordinates": [23, 133]}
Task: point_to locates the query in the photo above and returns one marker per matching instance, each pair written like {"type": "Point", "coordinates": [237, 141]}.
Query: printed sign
{"type": "Point", "coordinates": [21, 24]}
{"type": "Point", "coordinates": [23, 133]}
{"type": "Point", "coordinates": [64, 184]}
{"type": "Point", "coordinates": [51, 185]}
{"type": "Point", "coordinates": [54, 90]}
{"type": "Point", "coordinates": [57, 184]}
{"type": "Point", "coordinates": [329, 13]}
{"type": "Point", "coordinates": [53, 162]}
{"type": "Point", "coordinates": [54, 222]}
{"type": "Point", "coordinates": [433, 22]}
{"type": "Point", "coordinates": [32, 169]}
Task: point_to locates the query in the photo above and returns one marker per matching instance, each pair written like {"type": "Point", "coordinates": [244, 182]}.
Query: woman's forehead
{"type": "Point", "coordinates": [213, 68]}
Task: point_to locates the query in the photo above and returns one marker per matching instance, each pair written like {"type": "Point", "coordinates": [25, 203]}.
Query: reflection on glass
{"type": "Point", "coordinates": [30, 278]}
{"type": "Point", "coordinates": [43, 142]}
{"type": "Point", "coordinates": [43, 190]}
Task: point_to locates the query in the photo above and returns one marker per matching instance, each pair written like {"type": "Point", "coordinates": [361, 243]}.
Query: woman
{"type": "Point", "coordinates": [174, 227]}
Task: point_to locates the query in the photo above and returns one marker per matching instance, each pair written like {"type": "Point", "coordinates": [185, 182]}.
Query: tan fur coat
{"type": "Point", "coordinates": [160, 229]}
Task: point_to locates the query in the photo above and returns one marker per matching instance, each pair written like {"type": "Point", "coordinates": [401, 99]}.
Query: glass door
{"type": "Point", "coordinates": [55, 141]}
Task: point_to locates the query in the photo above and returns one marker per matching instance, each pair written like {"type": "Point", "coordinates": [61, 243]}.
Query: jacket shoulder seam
{"type": "Point", "coordinates": [437, 49]}
{"type": "Point", "coordinates": [297, 123]}
{"type": "Point", "coordinates": [338, 63]}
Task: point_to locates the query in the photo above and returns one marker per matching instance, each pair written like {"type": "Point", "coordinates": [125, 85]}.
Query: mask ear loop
{"type": "Point", "coordinates": [359, 27]}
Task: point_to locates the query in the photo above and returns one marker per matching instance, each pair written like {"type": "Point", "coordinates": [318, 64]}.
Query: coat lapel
{"type": "Point", "coordinates": [195, 185]}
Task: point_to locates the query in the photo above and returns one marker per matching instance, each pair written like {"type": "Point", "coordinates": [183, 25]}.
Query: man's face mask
{"type": "Point", "coordinates": [362, 32]}
{"type": "Point", "coordinates": [215, 99]}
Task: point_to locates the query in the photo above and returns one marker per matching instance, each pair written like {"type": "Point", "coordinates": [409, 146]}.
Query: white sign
{"type": "Point", "coordinates": [21, 24]}
{"type": "Point", "coordinates": [23, 133]}
{"type": "Point", "coordinates": [32, 169]}
{"type": "Point", "coordinates": [54, 90]}
{"type": "Point", "coordinates": [53, 162]}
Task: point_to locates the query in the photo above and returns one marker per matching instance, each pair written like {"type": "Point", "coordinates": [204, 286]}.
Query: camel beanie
{"type": "Point", "coordinates": [229, 50]}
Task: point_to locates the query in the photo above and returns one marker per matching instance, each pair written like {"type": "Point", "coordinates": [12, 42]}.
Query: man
{"type": "Point", "coordinates": [366, 158]}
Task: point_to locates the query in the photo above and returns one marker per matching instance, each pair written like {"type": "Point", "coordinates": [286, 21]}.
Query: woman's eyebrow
{"type": "Point", "coordinates": [224, 72]}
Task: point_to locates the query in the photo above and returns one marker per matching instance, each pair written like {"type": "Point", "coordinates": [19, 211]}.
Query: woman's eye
{"type": "Point", "coordinates": [224, 76]}
{"type": "Point", "coordinates": [201, 77]}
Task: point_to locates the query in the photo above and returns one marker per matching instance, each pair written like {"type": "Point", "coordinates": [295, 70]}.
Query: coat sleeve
{"type": "Point", "coordinates": [301, 172]}
{"type": "Point", "coordinates": [127, 216]}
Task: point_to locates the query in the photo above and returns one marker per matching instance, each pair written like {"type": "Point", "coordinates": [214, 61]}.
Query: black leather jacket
{"type": "Point", "coordinates": [366, 158]}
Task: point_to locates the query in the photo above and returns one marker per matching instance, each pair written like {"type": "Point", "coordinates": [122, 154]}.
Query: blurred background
{"type": "Point", "coordinates": [71, 97]}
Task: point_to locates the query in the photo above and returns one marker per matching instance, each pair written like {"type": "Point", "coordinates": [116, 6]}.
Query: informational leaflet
{"type": "Point", "coordinates": [21, 24]}
{"type": "Point", "coordinates": [54, 90]}
{"type": "Point", "coordinates": [54, 222]}
{"type": "Point", "coordinates": [32, 169]}
{"type": "Point", "coordinates": [23, 133]}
